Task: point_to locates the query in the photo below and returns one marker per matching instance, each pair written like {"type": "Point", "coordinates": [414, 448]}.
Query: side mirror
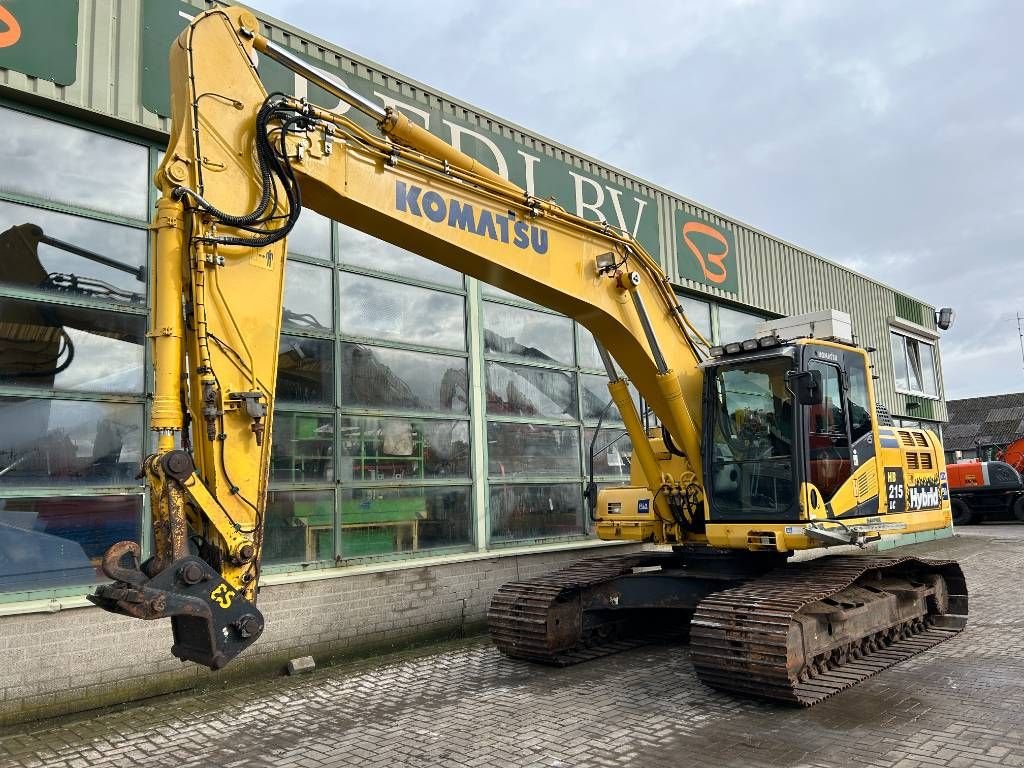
{"type": "Point", "coordinates": [807, 387]}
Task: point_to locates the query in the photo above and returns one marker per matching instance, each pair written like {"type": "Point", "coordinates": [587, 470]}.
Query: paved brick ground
{"type": "Point", "coordinates": [959, 705]}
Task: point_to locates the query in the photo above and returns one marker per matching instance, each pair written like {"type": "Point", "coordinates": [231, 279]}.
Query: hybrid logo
{"type": "Point", "coordinates": [459, 215]}
{"type": "Point", "coordinates": [924, 497]}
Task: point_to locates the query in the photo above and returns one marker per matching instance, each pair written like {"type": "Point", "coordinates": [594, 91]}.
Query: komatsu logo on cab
{"type": "Point", "coordinates": [484, 223]}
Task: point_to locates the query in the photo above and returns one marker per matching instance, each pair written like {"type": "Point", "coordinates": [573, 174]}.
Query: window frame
{"type": "Point", "coordinates": [906, 337]}
{"type": "Point", "coordinates": [142, 310]}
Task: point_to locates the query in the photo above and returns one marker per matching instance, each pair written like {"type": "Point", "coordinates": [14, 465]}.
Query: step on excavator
{"type": "Point", "coordinates": [744, 454]}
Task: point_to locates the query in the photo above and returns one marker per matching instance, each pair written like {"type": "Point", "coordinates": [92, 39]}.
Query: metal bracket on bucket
{"type": "Point", "coordinates": [211, 622]}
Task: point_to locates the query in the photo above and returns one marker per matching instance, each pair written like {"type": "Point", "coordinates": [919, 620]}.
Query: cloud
{"type": "Point", "coordinates": [884, 136]}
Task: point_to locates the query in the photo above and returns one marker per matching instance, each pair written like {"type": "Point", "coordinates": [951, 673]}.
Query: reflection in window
{"type": "Point", "coordinates": [382, 521]}
{"type": "Point", "coordinates": [520, 390]}
{"type": "Point", "coordinates": [375, 448]}
{"type": "Point", "coordinates": [299, 527]}
{"type": "Point", "coordinates": [380, 309]}
{"type": "Point", "coordinates": [734, 325]}
{"type": "Point", "coordinates": [379, 377]}
{"type": "Point", "coordinates": [537, 450]}
{"type": "Point", "coordinates": [59, 347]}
{"type": "Point", "coordinates": [361, 250]}
{"type": "Point", "coordinates": [307, 298]}
{"type": "Point", "coordinates": [612, 452]}
{"type": "Point", "coordinates": [698, 313]}
{"type": "Point", "coordinates": [535, 511]}
{"type": "Point", "coordinates": [303, 448]}
{"type": "Point", "coordinates": [60, 541]}
{"type": "Point", "coordinates": [596, 398]}
{"type": "Point", "coordinates": [311, 235]}
{"type": "Point", "coordinates": [913, 364]}
{"type": "Point", "coordinates": [71, 165]}
{"type": "Point", "coordinates": [305, 370]}
{"type": "Point", "coordinates": [47, 442]}
{"type": "Point", "coordinates": [27, 261]}
{"type": "Point", "coordinates": [588, 355]}
{"type": "Point", "coordinates": [528, 334]}
{"type": "Point", "coordinates": [489, 290]}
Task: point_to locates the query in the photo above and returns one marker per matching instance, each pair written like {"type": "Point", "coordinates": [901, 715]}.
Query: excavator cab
{"type": "Point", "coordinates": [782, 416]}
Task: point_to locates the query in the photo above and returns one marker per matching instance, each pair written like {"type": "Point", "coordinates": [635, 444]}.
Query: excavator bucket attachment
{"type": "Point", "coordinates": [211, 622]}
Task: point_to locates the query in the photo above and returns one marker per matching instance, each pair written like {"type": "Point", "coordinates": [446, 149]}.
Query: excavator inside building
{"type": "Point", "coordinates": [749, 452]}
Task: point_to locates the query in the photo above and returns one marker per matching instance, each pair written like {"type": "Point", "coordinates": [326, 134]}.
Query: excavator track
{"type": "Point", "coordinates": [809, 630]}
{"type": "Point", "coordinates": [541, 619]}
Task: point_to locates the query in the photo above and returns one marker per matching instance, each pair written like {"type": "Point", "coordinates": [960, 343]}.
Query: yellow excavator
{"type": "Point", "coordinates": [759, 448]}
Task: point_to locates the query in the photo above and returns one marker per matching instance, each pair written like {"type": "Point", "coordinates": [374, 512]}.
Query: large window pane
{"type": "Point", "coordinates": [71, 165]}
{"type": "Point", "coordinates": [307, 298]}
{"type": "Point", "coordinates": [612, 453]}
{"type": "Point", "coordinates": [382, 521]}
{"type": "Point", "coordinates": [698, 313]}
{"type": "Point", "coordinates": [899, 361]}
{"type": "Point", "coordinates": [378, 448]}
{"type": "Point", "coordinates": [305, 370]}
{"type": "Point", "coordinates": [914, 365]}
{"type": "Point", "coordinates": [523, 391]}
{"type": "Point", "coordinates": [60, 541]}
{"type": "Point", "coordinates": [532, 450]}
{"type": "Point", "coordinates": [528, 334]}
{"type": "Point", "coordinates": [734, 325]}
{"type": "Point", "coordinates": [588, 355]}
{"type": "Point", "coordinates": [303, 448]}
{"type": "Point", "coordinates": [378, 377]}
{"type": "Point", "coordinates": [50, 442]}
{"type": "Point", "coordinates": [27, 262]}
{"type": "Point", "coordinates": [299, 527]}
{"type": "Point", "coordinates": [521, 512]}
{"type": "Point", "coordinates": [311, 235]}
{"type": "Point", "coordinates": [596, 397]}
{"type": "Point", "coordinates": [361, 250]}
{"type": "Point", "coordinates": [928, 369]}
{"type": "Point", "coordinates": [380, 309]}
{"type": "Point", "coordinates": [489, 290]}
{"type": "Point", "coordinates": [55, 347]}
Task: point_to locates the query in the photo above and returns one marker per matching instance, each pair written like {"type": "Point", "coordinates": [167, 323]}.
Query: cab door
{"type": "Point", "coordinates": [828, 438]}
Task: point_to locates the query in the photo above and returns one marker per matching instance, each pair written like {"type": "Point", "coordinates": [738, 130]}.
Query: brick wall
{"type": "Point", "coordinates": [78, 659]}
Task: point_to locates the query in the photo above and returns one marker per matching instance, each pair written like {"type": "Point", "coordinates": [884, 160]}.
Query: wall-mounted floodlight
{"type": "Point", "coordinates": [944, 318]}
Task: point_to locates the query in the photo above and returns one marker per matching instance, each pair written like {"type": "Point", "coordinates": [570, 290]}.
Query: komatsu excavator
{"type": "Point", "coordinates": [762, 447]}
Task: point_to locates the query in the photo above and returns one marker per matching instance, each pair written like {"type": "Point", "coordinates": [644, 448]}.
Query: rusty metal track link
{"type": "Point", "coordinates": [540, 619]}
{"type": "Point", "coordinates": [741, 638]}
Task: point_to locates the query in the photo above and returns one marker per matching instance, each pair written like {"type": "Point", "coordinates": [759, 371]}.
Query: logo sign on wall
{"type": "Point", "coordinates": [706, 252]}
{"type": "Point", "coordinates": [40, 39]}
{"type": "Point", "coordinates": [585, 194]}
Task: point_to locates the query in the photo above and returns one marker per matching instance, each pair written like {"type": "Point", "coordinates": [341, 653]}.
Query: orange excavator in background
{"type": "Point", "coordinates": [761, 447]}
{"type": "Point", "coordinates": [989, 489]}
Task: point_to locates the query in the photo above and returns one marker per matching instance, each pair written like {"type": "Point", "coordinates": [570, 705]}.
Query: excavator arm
{"type": "Point", "coordinates": [239, 168]}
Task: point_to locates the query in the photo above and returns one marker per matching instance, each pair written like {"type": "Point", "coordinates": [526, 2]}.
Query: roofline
{"type": "Point", "coordinates": [431, 90]}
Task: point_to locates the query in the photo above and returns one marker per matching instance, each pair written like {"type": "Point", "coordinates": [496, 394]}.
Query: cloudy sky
{"type": "Point", "coordinates": [886, 136]}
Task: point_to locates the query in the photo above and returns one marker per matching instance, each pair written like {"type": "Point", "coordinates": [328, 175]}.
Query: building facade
{"type": "Point", "coordinates": [432, 433]}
